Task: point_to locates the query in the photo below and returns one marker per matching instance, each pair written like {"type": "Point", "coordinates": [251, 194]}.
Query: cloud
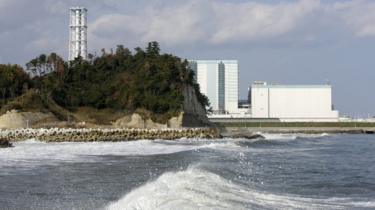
{"type": "Point", "coordinates": [183, 23]}
{"type": "Point", "coordinates": [172, 25]}
{"type": "Point", "coordinates": [249, 21]}
{"type": "Point", "coordinates": [359, 15]}
{"type": "Point", "coordinates": [215, 22]}
{"type": "Point", "coordinates": [225, 22]}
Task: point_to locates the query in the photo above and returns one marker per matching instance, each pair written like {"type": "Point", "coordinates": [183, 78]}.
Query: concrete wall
{"type": "Point", "coordinates": [293, 103]}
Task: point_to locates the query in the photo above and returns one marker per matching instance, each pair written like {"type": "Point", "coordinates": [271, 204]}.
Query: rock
{"type": "Point", "coordinates": [130, 121]}
{"type": "Point", "coordinates": [13, 119]}
{"type": "Point", "coordinates": [153, 125]}
{"type": "Point", "coordinates": [176, 122]}
{"type": "Point", "coordinates": [194, 113]}
{"type": "Point", "coordinates": [4, 143]}
{"type": "Point", "coordinates": [369, 132]}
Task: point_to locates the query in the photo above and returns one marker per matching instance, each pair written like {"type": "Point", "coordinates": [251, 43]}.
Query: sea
{"type": "Point", "coordinates": [281, 171]}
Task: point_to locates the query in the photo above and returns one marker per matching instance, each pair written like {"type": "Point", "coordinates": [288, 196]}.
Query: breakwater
{"type": "Point", "coordinates": [91, 135]}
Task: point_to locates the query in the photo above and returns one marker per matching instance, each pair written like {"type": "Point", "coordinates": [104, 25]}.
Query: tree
{"type": "Point", "coordinates": [13, 81]}
{"type": "Point", "coordinates": [122, 80]}
{"type": "Point", "coordinates": [153, 49]}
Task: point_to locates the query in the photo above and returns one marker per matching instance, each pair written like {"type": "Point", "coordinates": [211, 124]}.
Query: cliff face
{"type": "Point", "coordinates": [194, 114]}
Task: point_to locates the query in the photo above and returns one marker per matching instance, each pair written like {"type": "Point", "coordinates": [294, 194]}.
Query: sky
{"type": "Point", "coordinates": [279, 41]}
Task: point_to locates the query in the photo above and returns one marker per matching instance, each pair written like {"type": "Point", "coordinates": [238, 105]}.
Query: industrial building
{"type": "Point", "coordinates": [302, 103]}
{"type": "Point", "coordinates": [78, 33]}
{"type": "Point", "coordinates": [218, 80]}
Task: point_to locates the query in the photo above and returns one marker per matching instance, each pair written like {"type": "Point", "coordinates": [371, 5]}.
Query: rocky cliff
{"type": "Point", "coordinates": [194, 114]}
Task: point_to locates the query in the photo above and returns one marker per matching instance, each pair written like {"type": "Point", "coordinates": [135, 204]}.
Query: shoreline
{"type": "Point", "coordinates": [229, 131]}
{"type": "Point", "coordinates": [133, 134]}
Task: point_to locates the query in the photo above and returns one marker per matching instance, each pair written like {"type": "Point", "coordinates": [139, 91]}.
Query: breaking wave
{"type": "Point", "coordinates": [33, 152]}
{"type": "Point", "coordinates": [292, 136]}
{"type": "Point", "coordinates": [195, 188]}
{"type": "Point", "coordinates": [280, 140]}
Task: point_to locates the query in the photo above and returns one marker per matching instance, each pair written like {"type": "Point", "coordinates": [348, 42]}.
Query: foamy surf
{"type": "Point", "coordinates": [33, 152]}
{"type": "Point", "coordinates": [195, 188]}
{"type": "Point", "coordinates": [291, 136]}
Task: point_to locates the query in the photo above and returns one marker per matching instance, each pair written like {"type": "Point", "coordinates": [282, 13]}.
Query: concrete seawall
{"type": "Point", "coordinates": [230, 131]}
{"type": "Point", "coordinates": [91, 135]}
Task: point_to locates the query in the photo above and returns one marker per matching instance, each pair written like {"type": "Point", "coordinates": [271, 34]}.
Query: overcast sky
{"type": "Point", "coordinates": [280, 41]}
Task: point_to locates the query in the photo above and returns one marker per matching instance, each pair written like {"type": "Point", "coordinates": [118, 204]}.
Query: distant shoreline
{"type": "Point", "coordinates": [230, 131]}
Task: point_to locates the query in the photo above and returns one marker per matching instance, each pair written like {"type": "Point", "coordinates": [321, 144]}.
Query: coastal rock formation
{"type": "Point", "coordinates": [176, 122]}
{"type": "Point", "coordinates": [136, 121]}
{"type": "Point", "coordinates": [5, 143]}
{"type": "Point", "coordinates": [130, 121]}
{"type": "Point", "coordinates": [194, 113]}
{"type": "Point", "coordinates": [14, 119]}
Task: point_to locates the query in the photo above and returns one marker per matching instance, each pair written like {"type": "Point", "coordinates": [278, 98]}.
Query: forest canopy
{"type": "Point", "coordinates": [119, 80]}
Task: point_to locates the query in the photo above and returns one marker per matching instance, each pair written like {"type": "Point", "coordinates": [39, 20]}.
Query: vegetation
{"type": "Point", "coordinates": [13, 82]}
{"type": "Point", "coordinates": [120, 81]}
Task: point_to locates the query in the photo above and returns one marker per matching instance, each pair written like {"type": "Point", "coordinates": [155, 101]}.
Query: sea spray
{"type": "Point", "coordinates": [195, 188]}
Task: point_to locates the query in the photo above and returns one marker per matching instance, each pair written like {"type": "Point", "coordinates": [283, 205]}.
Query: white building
{"type": "Point", "coordinates": [78, 33]}
{"type": "Point", "coordinates": [218, 80]}
{"type": "Point", "coordinates": [293, 102]}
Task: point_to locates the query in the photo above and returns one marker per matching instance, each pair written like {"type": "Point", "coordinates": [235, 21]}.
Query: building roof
{"type": "Point", "coordinates": [290, 86]}
{"type": "Point", "coordinates": [214, 61]}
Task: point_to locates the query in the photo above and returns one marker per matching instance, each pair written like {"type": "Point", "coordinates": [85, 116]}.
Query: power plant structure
{"type": "Point", "coordinates": [78, 33]}
{"type": "Point", "coordinates": [218, 80]}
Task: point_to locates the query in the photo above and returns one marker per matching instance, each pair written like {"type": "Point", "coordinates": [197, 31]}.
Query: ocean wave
{"type": "Point", "coordinates": [195, 188]}
{"type": "Point", "coordinates": [33, 152]}
{"type": "Point", "coordinates": [292, 136]}
{"type": "Point", "coordinates": [280, 140]}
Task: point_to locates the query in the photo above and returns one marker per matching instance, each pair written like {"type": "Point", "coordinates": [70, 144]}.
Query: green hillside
{"type": "Point", "coordinates": [119, 81]}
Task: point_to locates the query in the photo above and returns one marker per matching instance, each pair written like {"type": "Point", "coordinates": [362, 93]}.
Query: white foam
{"type": "Point", "coordinates": [198, 189]}
{"type": "Point", "coordinates": [33, 152]}
{"type": "Point", "coordinates": [291, 136]}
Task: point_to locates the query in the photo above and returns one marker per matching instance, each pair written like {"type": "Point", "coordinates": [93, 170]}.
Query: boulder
{"type": "Point", "coordinates": [5, 143]}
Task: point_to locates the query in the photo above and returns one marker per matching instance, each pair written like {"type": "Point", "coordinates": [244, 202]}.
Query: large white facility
{"type": "Point", "coordinates": [78, 33]}
{"type": "Point", "coordinates": [303, 103]}
{"type": "Point", "coordinates": [218, 80]}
